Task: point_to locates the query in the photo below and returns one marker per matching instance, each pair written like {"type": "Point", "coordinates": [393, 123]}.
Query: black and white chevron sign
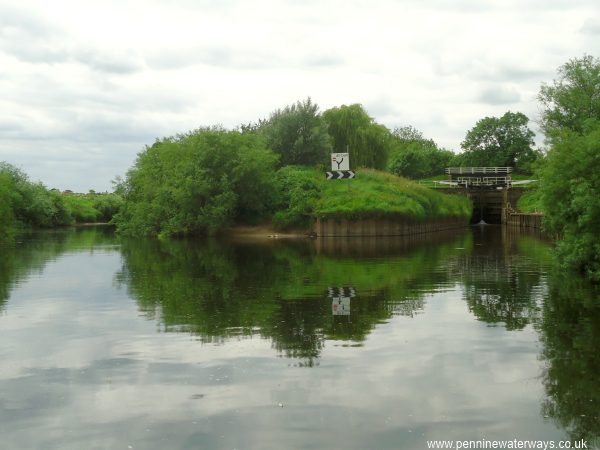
{"type": "Point", "coordinates": [340, 174]}
{"type": "Point", "coordinates": [344, 291]}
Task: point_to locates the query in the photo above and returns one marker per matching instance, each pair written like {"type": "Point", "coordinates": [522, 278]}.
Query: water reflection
{"type": "Point", "coordinates": [445, 336]}
{"type": "Point", "coordinates": [570, 333]}
{"type": "Point", "coordinates": [33, 251]}
{"type": "Point", "coordinates": [503, 276]}
{"type": "Point", "coordinates": [283, 291]}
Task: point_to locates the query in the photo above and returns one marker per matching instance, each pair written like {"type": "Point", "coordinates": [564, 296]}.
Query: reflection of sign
{"type": "Point", "coordinates": [340, 175]}
{"type": "Point", "coordinates": [340, 306]}
{"type": "Point", "coordinates": [340, 161]}
{"type": "Point", "coordinates": [341, 292]}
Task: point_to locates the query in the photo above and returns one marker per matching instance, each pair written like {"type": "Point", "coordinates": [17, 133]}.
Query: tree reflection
{"type": "Point", "coordinates": [570, 332]}
{"type": "Point", "coordinates": [34, 250]}
{"type": "Point", "coordinates": [503, 276]}
{"type": "Point", "coordinates": [220, 289]}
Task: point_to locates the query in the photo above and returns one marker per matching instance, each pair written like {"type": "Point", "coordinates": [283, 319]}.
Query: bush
{"type": "Point", "coordinates": [198, 183]}
{"type": "Point", "coordinates": [299, 191]}
{"type": "Point", "coordinates": [81, 207]}
{"type": "Point", "coordinates": [570, 193]}
{"type": "Point", "coordinates": [30, 204]}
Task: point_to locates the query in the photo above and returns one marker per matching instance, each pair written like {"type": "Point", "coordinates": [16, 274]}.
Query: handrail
{"type": "Point", "coordinates": [483, 181]}
{"type": "Point", "coordinates": [477, 170]}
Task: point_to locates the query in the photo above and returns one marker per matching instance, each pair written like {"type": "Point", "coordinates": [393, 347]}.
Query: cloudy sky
{"type": "Point", "coordinates": [85, 85]}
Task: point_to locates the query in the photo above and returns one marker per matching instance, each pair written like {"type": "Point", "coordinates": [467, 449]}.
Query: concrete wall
{"type": "Point", "coordinates": [383, 227]}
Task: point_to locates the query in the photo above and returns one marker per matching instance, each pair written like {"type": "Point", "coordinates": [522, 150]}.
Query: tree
{"type": "Point", "coordinates": [352, 130]}
{"type": "Point", "coordinates": [7, 216]}
{"type": "Point", "coordinates": [570, 191]}
{"type": "Point", "coordinates": [573, 98]}
{"type": "Point", "coordinates": [569, 185]}
{"type": "Point", "coordinates": [31, 204]}
{"type": "Point", "coordinates": [197, 183]}
{"type": "Point", "coordinates": [505, 142]}
{"type": "Point", "coordinates": [297, 133]}
{"type": "Point", "coordinates": [413, 156]}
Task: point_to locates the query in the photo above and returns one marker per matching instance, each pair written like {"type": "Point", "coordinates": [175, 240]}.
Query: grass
{"type": "Point", "coordinates": [530, 202]}
{"type": "Point", "coordinates": [372, 194]}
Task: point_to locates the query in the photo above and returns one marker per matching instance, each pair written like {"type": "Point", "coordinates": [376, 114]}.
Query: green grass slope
{"type": "Point", "coordinates": [372, 194]}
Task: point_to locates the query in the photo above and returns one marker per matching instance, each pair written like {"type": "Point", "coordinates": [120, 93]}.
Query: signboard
{"type": "Point", "coordinates": [340, 175]}
{"type": "Point", "coordinates": [345, 291]}
{"type": "Point", "coordinates": [340, 306]}
{"type": "Point", "coordinates": [340, 161]}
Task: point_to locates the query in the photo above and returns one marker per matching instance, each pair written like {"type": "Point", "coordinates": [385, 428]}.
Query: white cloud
{"type": "Point", "coordinates": [83, 76]}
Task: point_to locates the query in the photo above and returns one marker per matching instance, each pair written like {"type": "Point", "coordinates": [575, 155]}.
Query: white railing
{"type": "Point", "coordinates": [477, 170]}
{"type": "Point", "coordinates": [483, 181]}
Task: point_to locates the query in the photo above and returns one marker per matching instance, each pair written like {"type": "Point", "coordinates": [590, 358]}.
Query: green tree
{"type": "Point", "coordinates": [352, 130]}
{"type": "Point", "coordinates": [7, 216]}
{"type": "Point", "coordinates": [32, 204]}
{"type": "Point", "coordinates": [297, 133]}
{"type": "Point", "coordinates": [413, 156]}
{"type": "Point", "coordinates": [506, 141]}
{"type": "Point", "coordinates": [572, 98]}
{"type": "Point", "coordinates": [570, 191]}
{"type": "Point", "coordinates": [570, 186]}
{"type": "Point", "coordinates": [197, 183]}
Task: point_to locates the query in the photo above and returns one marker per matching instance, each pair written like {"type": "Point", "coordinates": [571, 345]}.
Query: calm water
{"type": "Point", "coordinates": [340, 344]}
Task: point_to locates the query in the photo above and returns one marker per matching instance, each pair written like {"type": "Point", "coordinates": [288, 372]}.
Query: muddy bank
{"type": "Point", "coordinates": [264, 232]}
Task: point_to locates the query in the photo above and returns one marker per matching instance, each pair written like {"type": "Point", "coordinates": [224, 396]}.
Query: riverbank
{"type": "Point", "coordinates": [263, 232]}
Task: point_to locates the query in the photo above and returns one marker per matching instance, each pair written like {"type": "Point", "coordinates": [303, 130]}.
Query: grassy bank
{"type": "Point", "coordinates": [530, 202]}
{"type": "Point", "coordinates": [306, 195]}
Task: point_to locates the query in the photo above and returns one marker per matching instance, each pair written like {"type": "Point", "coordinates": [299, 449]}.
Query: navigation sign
{"type": "Point", "coordinates": [341, 292]}
{"type": "Point", "coordinates": [340, 175]}
{"type": "Point", "coordinates": [340, 161]}
{"type": "Point", "coordinates": [340, 299]}
{"type": "Point", "coordinates": [340, 306]}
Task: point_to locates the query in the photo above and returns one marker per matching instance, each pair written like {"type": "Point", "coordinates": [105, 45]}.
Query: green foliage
{"type": "Point", "coordinates": [197, 183]}
{"type": "Point", "coordinates": [298, 134]}
{"type": "Point", "coordinates": [500, 142]}
{"type": "Point", "coordinates": [371, 194]}
{"type": "Point", "coordinates": [107, 205]}
{"type": "Point", "coordinates": [7, 216]}
{"type": "Point", "coordinates": [81, 207]}
{"type": "Point", "coordinates": [299, 189]}
{"type": "Point", "coordinates": [573, 98]}
{"type": "Point", "coordinates": [92, 207]}
{"type": "Point", "coordinates": [28, 204]}
{"type": "Point", "coordinates": [413, 156]}
{"type": "Point", "coordinates": [570, 191]}
{"type": "Point", "coordinates": [352, 130]}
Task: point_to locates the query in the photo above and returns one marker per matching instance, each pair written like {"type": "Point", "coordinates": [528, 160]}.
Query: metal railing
{"type": "Point", "coordinates": [477, 170]}
{"type": "Point", "coordinates": [483, 181]}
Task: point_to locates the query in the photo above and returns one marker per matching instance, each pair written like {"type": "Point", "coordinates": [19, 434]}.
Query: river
{"type": "Point", "coordinates": [110, 343]}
